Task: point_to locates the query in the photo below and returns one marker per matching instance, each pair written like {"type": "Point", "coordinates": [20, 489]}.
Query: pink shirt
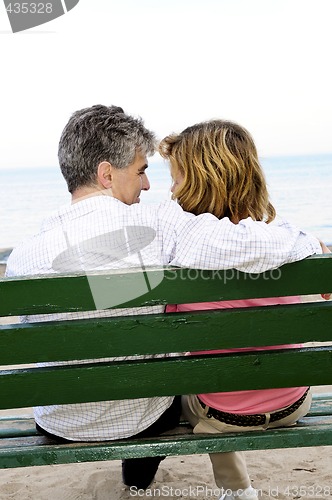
{"type": "Point", "coordinates": [246, 402]}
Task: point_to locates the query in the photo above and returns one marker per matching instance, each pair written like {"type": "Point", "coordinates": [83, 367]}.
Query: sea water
{"type": "Point", "coordinates": [300, 189]}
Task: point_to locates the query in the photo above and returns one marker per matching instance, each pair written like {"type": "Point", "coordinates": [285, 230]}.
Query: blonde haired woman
{"type": "Point", "coordinates": [215, 168]}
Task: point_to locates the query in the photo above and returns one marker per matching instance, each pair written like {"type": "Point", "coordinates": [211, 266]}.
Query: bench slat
{"type": "Point", "coordinates": [16, 426]}
{"type": "Point", "coordinates": [146, 378]}
{"type": "Point", "coordinates": [28, 451]}
{"type": "Point", "coordinates": [162, 333]}
{"type": "Point", "coordinates": [20, 296]}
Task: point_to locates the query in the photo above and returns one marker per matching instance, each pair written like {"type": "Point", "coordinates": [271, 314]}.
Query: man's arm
{"type": "Point", "coordinates": [209, 243]}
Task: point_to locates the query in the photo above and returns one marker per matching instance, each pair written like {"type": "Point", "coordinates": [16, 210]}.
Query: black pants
{"type": "Point", "coordinates": [140, 472]}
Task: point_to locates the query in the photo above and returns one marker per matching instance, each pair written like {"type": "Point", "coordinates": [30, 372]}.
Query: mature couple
{"type": "Point", "coordinates": [222, 219]}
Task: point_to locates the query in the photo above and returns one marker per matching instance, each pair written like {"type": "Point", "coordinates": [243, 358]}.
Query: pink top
{"type": "Point", "coordinates": [246, 402]}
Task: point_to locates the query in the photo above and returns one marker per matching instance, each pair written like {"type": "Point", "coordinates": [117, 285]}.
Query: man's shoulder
{"type": "Point", "coordinates": [167, 209]}
{"type": "Point", "coordinates": [20, 261]}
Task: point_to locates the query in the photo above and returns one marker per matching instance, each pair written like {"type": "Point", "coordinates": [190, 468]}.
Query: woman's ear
{"type": "Point", "coordinates": [104, 174]}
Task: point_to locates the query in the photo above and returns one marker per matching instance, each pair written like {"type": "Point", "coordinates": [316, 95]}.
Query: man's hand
{"type": "Point", "coordinates": [325, 249]}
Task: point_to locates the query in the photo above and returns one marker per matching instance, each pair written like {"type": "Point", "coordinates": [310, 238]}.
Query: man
{"type": "Point", "coordinates": [103, 158]}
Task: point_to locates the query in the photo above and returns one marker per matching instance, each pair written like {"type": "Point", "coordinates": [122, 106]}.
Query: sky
{"type": "Point", "coordinates": [262, 63]}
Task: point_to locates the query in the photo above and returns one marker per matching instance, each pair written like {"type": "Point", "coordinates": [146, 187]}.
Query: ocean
{"type": "Point", "coordinates": [300, 189]}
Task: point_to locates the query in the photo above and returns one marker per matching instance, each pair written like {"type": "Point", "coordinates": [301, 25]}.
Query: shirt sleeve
{"type": "Point", "coordinates": [205, 242]}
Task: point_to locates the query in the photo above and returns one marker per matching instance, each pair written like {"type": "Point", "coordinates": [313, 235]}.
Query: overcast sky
{"type": "Point", "coordinates": [263, 63]}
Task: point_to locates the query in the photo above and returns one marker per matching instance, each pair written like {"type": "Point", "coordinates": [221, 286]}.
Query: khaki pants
{"type": "Point", "coordinates": [230, 469]}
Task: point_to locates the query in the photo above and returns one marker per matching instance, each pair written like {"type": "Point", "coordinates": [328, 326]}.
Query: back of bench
{"type": "Point", "coordinates": [23, 344]}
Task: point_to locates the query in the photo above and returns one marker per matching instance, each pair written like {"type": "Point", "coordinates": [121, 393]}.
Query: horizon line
{"type": "Point", "coordinates": [151, 161]}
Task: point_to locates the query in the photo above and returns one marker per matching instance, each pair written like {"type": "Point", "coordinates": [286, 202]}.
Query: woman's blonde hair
{"type": "Point", "coordinates": [222, 174]}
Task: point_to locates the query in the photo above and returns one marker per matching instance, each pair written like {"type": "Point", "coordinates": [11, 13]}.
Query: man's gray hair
{"type": "Point", "coordinates": [100, 133]}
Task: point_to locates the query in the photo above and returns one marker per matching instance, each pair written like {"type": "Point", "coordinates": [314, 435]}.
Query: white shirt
{"type": "Point", "coordinates": [101, 233]}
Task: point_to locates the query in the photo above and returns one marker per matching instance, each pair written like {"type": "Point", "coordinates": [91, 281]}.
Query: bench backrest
{"type": "Point", "coordinates": [24, 344]}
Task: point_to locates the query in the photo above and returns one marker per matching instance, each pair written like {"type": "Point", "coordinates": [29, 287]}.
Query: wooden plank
{"type": "Point", "coordinates": [321, 408]}
{"type": "Point", "coordinates": [153, 334]}
{"type": "Point", "coordinates": [165, 376]}
{"type": "Point", "coordinates": [16, 426]}
{"type": "Point", "coordinates": [24, 452]}
{"type": "Point", "coordinates": [49, 294]}
{"type": "Point", "coordinates": [30, 295]}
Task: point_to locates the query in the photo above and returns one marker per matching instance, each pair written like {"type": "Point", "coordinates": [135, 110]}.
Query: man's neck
{"type": "Point", "coordinates": [87, 192]}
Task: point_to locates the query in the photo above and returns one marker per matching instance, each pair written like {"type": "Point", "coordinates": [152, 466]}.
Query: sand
{"type": "Point", "coordinates": [303, 473]}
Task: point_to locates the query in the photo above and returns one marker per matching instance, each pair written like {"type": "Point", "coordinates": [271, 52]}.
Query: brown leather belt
{"type": "Point", "coordinates": [255, 419]}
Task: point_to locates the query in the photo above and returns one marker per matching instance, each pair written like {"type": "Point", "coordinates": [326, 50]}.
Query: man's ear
{"type": "Point", "coordinates": [104, 174]}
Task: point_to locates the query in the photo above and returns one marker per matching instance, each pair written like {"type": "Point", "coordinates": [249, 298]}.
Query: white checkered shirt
{"type": "Point", "coordinates": [102, 233]}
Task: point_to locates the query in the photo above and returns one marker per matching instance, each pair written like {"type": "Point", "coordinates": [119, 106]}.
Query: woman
{"type": "Point", "coordinates": [215, 168]}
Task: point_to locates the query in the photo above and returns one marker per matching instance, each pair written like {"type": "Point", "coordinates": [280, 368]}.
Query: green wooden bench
{"type": "Point", "coordinates": [22, 345]}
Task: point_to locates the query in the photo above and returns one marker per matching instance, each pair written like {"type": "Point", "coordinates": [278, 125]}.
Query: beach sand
{"type": "Point", "coordinates": [303, 473]}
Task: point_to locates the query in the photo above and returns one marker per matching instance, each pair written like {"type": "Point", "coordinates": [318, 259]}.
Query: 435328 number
{"type": "Point", "coordinates": [314, 491]}
{"type": "Point", "coordinates": [29, 8]}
